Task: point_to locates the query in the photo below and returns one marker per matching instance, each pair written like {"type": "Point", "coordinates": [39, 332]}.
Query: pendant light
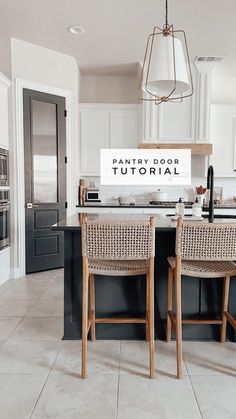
{"type": "Point", "coordinates": [166, 73]}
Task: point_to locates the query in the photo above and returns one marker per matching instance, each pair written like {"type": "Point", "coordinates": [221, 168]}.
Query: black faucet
{"type": "Point", "coordinates": [210, 186]}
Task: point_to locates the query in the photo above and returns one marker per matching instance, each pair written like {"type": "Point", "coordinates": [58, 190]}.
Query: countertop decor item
{"type": "Point", "coordinates": [166, 73]}
{"type": "Point", "coordinates": [201, 190]}
{"type": "Point", "coordinates": [159, 195]}
{"type": "Point", "coordinates": [201, 194]}
{"type": "Point", "coordinates": [126, 200]}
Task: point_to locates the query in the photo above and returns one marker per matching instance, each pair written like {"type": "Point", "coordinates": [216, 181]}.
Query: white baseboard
{"type": "Point", "coordinates": [15, 273]}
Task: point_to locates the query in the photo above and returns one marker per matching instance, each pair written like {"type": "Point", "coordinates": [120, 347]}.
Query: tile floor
{"type": "Point", "coordinates": [40, 373]}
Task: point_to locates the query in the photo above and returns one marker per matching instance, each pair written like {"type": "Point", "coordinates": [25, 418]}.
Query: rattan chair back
{"type": "Point", "coordinates": [120, 240]}
{"type": "Point", "coordinates": [204, 241]}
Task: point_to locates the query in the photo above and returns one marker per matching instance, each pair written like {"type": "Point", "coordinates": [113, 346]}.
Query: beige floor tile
{"type": "Point", "coordinates": [215, 396]}
{"type": "Point", "coordinates": [134, 358]}
{"type": "Point", "coordinates": [39, 328]}
{"type": "Point", "coordinates": [210, 358]}
{"type": "Point", "coordinates": [162, 398]}
{"type": "Point", "coordinates": [2, 342]}
{"type": "Point", "coordinates": [18, 395]}
{"type": "Point", "coordinates": [14, 307]}
{"type": "Point", "coordinates": [55, 291]}
{"type": "Point", "coordinates": [3, 290]}
{"type": "Point", "coordinates": [24, 290]}
{"type": "Point", "coordinates": [28, 357]}
{"type": "Point", "coordinates": [47, 307]}
{"type": "Point", "coordinates": [44, 279]}
{"type": "Point", "coordinates": [103, 357]}
{"type": "Point", "coordinates": [70, 397]}
{"type": "Point", "coordinates": [7, 285]}
{"type": "Point", "coordinates": [8, 325]}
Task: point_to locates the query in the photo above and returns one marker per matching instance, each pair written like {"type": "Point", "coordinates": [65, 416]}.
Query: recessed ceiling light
{"type": "Point", "coordinates": [76, 30]}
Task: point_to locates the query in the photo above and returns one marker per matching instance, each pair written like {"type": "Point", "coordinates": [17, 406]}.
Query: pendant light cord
{"type": "Point", "coordinates": [166, 13]}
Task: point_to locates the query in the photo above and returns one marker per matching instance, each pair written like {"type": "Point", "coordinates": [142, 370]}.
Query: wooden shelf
{"type": "Point", "coordinates": [200, 149]}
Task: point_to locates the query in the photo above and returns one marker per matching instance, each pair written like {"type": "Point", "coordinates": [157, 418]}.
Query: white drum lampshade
{"type": "Point", "coordinates": [167, 67]}
{"type": "Point", "coordinates": [166, 73]}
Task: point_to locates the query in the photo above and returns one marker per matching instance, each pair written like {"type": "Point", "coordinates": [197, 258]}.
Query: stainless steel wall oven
{"type": "Point", "coordinates": [4, 167]}
{"type": "Point", "coordinates": [4, 219]}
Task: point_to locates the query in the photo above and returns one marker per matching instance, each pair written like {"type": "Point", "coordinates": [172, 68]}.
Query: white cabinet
{"type": "Point", "coordinates": [4, 85]}
{"type": "Point", "coordinates": [106, 126]}
{"type": "Point", "coordinates": [94, 129]}
{"type": "Point", "coordinates": [223, 137]}
{"type": "Point", "coordinates": [124, 128]}
{"type": "Point", "coordinates": [176, 123]}
{"type": "Point", "coordinates": [182, 122]}
{"type": "Point", "coordinates": [170, 122]}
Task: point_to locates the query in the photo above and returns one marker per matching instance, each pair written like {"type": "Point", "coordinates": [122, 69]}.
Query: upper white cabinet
{"type": "Point", "coordinates": [124, 128]}
{"type": "Point", "coordinates": [171, 121]}
{"type": "Point", "coordinates": [176, 121]}
{"type": "Point", "coordinates": [4, 85]}
{"type": "Point", "coordinates": [223, 137]}
{"type": "Point", "coordinates": [94, 135]}
{"type": "Point", "coordinates": [106, 126]}
{"type": "Point", "coordinates": [180, 122]}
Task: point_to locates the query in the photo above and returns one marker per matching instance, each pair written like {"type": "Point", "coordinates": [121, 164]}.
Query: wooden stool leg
{"type": "Point", "coordinates": [178, 324]}
{"type": "Point", "coordinates": [92, 306]}
{"type": "Point", "coordinates": [169, 304]}
{"type": "Point", "coordinates": [84, 318]}
{"type": "Point", "coordinates": [151, 318]}
{"type": "Point", "coordinates": [147, 308]}
{"type": "Point", "coordinates": [225, 302]}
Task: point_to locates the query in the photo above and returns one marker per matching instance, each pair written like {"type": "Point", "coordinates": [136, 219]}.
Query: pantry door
{"type": "Point", "coordinates": [45, 179]}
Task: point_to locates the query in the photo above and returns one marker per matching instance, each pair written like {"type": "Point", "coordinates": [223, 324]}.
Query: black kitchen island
{"type": "Point", "coordinates": [125, 296]}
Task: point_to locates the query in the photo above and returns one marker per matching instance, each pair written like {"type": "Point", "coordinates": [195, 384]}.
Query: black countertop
{"type": "Point", "coordinates": [163, 223]}
{"type": "Point", "coordinates": [110, 205]}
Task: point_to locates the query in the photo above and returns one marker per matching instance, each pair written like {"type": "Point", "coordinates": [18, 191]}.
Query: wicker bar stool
{"type": "Point", "coordinates": [117, 248]}
{"type": "Point", "coordinates": [202, 251]}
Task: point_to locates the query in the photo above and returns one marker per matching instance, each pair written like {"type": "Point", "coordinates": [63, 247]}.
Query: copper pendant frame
{"type": "Point", "coordinates": [168, 30]}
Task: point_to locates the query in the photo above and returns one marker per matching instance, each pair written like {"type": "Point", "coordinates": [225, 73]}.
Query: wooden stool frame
{"type": "Point", "coordinates": [174, 278]}
{"type": "Point", "coordinates": [89, 319]}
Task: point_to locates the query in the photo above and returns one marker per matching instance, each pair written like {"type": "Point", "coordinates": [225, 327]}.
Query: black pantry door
{"type": "Point", "coordinates": [45, 178]}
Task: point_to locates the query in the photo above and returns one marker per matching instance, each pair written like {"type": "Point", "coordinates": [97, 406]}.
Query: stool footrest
{"type": "Point", "coordinates": [120, 320]}
{"type": "Point", "coordinates": [196, 321]}
{"type": "Point", "coordinates": [230, 319]}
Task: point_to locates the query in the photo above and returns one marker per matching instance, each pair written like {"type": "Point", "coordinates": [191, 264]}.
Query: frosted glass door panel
{"type": "Point", "coordinates": [44, 152]}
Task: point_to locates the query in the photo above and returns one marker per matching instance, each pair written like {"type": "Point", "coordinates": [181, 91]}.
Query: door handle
{"type": "Point", "coordinates": [29, 205]}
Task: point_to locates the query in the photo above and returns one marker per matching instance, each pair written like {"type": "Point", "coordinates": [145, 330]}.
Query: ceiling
{"type": "Point", "coordinates": [116, 31]}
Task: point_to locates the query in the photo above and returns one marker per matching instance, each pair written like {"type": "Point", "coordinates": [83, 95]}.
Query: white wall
{"type": "Point", "coordinates": [5, 56]}
{"type": "Point", "coordinates": [223, 90]}
{"type": "Point", "coordinates": [108, 89]}
{"type": "Point", "coordinates": [54, 72]}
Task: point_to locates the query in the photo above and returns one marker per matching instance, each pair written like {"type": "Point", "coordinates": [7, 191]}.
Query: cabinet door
{"type": "Point", "coordinates": [176, 122]}
{"type": "Point", "coordinates": [171, 122]}
{"type": "Point", "coordinates": [223, 137]}
{"type": "Point", "coordinates": [124, 128]}
{"type": "Point", "coordinates": [94, 134]}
